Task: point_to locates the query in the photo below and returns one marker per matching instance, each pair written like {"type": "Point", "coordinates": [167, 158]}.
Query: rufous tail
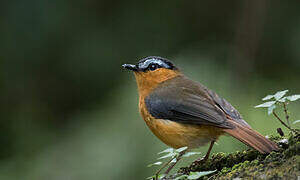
{"type": "Point", "coordinates": [251, 138]}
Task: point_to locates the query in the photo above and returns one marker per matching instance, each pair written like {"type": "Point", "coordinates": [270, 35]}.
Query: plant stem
{"type": "Point", "coordinates": [177, 159]}
{"type": "Point", "coordinates": [286, 114]}
{"type": "Point", "coordinates": [167, 163]}
{"type": "Point", "coordinates": [283, 123]}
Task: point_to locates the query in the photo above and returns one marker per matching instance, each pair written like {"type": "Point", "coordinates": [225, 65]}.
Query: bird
{"type": "Point", "coordinates": [184, 113]}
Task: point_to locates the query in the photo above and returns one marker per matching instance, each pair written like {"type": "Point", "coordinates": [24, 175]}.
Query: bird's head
{"type": "Point", "coordinates": [151, 71]}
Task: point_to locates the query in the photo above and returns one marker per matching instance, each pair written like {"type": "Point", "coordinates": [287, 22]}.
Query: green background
{"type": "Point", "coordinates": [68, 109]}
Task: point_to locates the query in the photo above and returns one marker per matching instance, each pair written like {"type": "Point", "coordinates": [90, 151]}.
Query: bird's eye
{"type": "Point", "coordinates": [152, 67]}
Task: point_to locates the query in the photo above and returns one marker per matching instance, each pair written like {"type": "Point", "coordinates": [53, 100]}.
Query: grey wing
{"type": "Point", "coordinates": [227, 108]}
{"type": "Point", "coordinates": [181, 104]}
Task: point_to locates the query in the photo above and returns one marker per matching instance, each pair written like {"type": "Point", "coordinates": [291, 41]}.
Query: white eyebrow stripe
{"type": "Point", "coordinates": [145, 64]}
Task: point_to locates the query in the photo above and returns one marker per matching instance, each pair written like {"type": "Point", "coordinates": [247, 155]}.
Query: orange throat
{"type": "Point", "coordinates": [147, 81]}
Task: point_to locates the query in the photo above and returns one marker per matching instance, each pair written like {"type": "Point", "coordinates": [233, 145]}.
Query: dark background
{"type": "Point", "coordinates": [69, 111]}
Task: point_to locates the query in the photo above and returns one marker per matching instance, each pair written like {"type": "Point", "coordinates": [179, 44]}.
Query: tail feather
{"type": "Point", "coordinates": [251, 138]}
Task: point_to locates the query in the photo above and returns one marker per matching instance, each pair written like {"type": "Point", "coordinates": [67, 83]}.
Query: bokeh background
{"type": "Point", "coordinates": [68, 109]}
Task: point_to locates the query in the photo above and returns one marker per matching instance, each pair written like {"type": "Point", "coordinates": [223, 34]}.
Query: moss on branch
{"type": "Point", "coordinates": [250, 164]}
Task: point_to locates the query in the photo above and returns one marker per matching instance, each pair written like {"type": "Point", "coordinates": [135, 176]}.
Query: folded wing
{"type": "Point", "coordinates": [182, 101]}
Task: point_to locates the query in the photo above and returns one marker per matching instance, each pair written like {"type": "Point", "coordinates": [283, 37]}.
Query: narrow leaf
{"type": "Point", "coordinates": [168, 155]}
{"type": "Point", "coordinates": [282, 99]}
{"type": "Point", "coordinates": [155, 164]}
{"type": "Point", "coordinates": [293, 97]}
{"type": "Point", "coordinates": [174, 160]}
{"type": "Point", "coordinates": [167, 151]}
{"type": "Point", "coordinates": [190, 154]}
{"type": "Point", "coordinates": [181, 149]}
{"type": "Point", "coordinates": [297, 121]}
{"type": "Point", "coordinates": [159, 177]}
{"type": "Point", "coordinates": [280, 94]}
{"type": "Point", "coordinates": [268, 97]}
{"type": "Point", "coordinates": [196, 175]}
{"type": "Point", "coordinates": [271, 108]}
{"type": "Point", "coordinates": [151, 177]}
{"type": "Point", "coordinates": [266, 104]}
{"type": "Point", "coordinates": [181, 177]}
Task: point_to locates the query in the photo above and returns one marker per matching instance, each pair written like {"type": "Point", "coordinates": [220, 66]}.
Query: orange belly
{"type": "Point", "coordinates": [179, 135]}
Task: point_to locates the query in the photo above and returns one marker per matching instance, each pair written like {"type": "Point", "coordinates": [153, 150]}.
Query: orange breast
{"type": "Point", "coordinates": [176, 134]}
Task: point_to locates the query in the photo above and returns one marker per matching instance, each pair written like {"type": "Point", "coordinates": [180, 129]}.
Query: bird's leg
{"type": "Point", "coordinates": [208, 152]}
{"type": "Point", "coordinates": [177, 159]}
{"type": "Point", "coordinates": [167, 163]}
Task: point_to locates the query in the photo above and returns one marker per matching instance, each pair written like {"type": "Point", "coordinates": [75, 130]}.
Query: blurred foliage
{"type": "Point", "coordinates": [68, 111]}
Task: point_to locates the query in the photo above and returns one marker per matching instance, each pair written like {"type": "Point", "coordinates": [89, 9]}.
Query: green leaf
{"type": "Point", "coordinates": [297, 121]}
{"type": "Point", "coordinates": [293, 97]}
{"type": "Point", "coordinates": [196, 175]}
{"type": "Point", "coordinates": [190, 154]}
{"type": "Point", "coordinates": [181, 177]}
{"type": "Point", "coordinates": [266, 104]}
{"type": "Point", "coordinates": [282, 99]}
{"type": "Point", "coordinates": [172, 154]}
{"type": "Point", "coordinates": [271, 108]}
{"type": "Point", "coordinates": [167, 151]}
{"type": "Point", "coordinates": [280, 94]}
{"type": "Point", "coordinates": [159, 177]}
{"type": "Point", "coordinates": [268, 97]}
{"type": "Point", "coordinates": [181, 149]}
{"type": "Point", "coordinates": [155, 164]}
{"type": "Point", "coordinates": [174, 160]}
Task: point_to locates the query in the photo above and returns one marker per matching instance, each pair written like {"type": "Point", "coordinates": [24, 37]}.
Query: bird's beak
{"type": "Point", "coordinates": [130, 67]}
